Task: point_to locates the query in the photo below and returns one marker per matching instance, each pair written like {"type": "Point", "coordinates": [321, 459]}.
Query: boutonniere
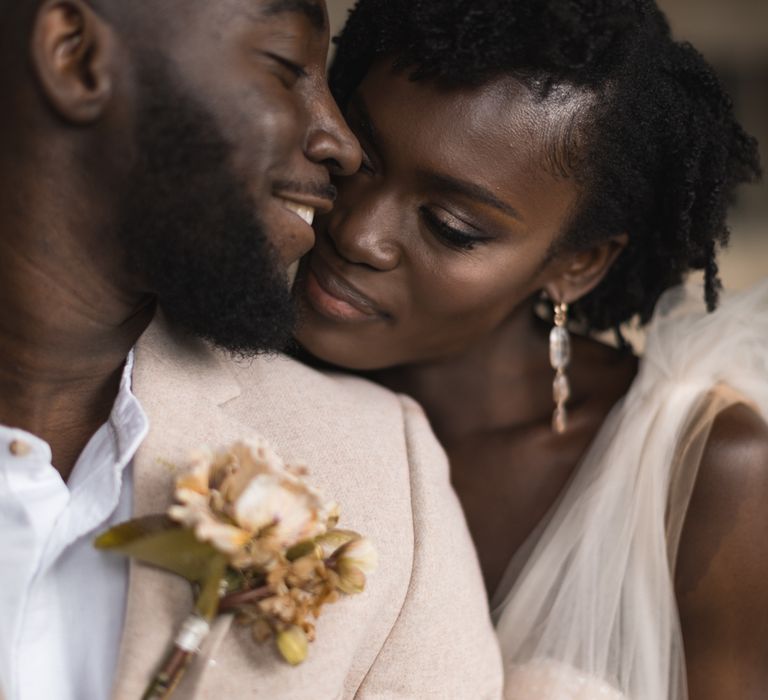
{"type": "Point", "coordinates": [255, 540]}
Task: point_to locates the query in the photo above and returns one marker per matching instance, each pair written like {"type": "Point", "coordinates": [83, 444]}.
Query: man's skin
{"type": "Point", "coordinates": [70, 310]}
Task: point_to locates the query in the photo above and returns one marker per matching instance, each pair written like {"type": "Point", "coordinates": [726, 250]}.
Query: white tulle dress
{"type": "Point", "coordinates": [587, 608]}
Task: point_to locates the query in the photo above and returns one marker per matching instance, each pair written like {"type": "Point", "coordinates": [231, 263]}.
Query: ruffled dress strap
{"type": "Point", "coordinates": [587, 609]}
{"type": "Point", "coordinates": [685, 467]}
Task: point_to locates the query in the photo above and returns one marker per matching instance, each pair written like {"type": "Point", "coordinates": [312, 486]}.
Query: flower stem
{"type": "Point", "coordinates": [166, 680]}
{"type": "Point", "coordinates": [235, 600]}
{"type": "Point", "coordinates": [191, 636]}
{"type": "Point", "coordinates": [185, 647]}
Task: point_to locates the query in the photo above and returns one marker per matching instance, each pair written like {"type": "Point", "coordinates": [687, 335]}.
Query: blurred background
{"type": "Point", "coordinates": [733, 35]}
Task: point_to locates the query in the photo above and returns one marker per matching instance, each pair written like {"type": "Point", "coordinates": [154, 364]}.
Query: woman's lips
{"type": "Point", "coordinates": [332, 298]}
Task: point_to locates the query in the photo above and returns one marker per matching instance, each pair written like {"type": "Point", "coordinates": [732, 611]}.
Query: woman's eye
{"type": "Point", "coordinates": [449, 234]}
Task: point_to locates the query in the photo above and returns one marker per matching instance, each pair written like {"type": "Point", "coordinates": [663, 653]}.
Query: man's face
{"type": "Point", "coordinates": [237, 136]}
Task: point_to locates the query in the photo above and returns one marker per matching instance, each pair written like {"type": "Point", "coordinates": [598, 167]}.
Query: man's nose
{"type": "Point", "coordinates": [330, 140]}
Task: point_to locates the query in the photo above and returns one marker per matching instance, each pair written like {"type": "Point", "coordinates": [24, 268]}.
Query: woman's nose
{"type": "Point", "coordinates": [363, 234]}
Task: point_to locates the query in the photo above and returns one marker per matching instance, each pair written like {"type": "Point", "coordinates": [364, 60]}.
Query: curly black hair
{"type": "Point", "coordinates": [657, 155]}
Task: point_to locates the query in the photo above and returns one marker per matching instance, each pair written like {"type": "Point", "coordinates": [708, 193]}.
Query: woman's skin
{"type": "Point", "coordinates": [424, 278]}
{"type": "Point", "coordinates": [451, 312]}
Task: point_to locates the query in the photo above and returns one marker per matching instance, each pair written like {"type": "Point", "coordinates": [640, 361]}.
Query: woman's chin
{"type": "Point", "coordinates": [338, 352]}
{"type": "Point", "coordinates": [351, 346]}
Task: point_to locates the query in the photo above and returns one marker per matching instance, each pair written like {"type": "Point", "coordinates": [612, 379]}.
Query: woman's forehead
{"type": "Point", "coordinates": [503, 122]}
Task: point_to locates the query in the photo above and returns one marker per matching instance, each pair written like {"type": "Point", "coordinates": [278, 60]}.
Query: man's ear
{"type": "Point", "coordinates": [72, 49]}
{"type": "Point", "coordinates": [578, 273]}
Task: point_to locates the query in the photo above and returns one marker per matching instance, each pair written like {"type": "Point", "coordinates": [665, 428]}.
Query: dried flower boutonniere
{"type": "Point", "coordinates": [255, 540]}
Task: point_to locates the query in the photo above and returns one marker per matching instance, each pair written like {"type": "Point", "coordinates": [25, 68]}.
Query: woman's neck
{"type": "Point", "coordinates": [502, 380]}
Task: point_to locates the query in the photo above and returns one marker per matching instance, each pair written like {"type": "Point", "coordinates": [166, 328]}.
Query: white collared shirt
{"type": "Point", "coordinates": [62, 602]}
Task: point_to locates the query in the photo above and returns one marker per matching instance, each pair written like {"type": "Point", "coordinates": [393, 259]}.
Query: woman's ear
{"type": "Point", "coordinates": [72, 49]}
{"type": "Point", "coordinates": [578, 273]}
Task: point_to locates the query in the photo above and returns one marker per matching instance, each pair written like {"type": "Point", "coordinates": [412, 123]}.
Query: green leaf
{"type": "Point", "coordinates": [159, 541]}
{"type": "Point", "coordinates": [302, 549]}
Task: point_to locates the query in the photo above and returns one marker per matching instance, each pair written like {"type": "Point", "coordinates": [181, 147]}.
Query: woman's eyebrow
{"type": "Point", "coordinates": [471, 190]}
{"type": "Point", "coordinates": [441, 181]}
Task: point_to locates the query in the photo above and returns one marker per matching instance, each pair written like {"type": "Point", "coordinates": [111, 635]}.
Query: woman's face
{"type": "Point", "coordinates": [446, 229]}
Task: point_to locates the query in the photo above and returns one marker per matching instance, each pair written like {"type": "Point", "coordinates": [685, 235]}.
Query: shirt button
{"type": "Point", "coordinates": [19, 448]}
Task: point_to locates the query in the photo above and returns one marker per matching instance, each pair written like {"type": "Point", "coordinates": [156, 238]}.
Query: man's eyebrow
{"type": "Point", "coordinates": [310, 9]}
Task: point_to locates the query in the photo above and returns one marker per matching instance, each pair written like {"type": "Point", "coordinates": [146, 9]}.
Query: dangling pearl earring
{"type": "Point", "coordinates": [559, 357]}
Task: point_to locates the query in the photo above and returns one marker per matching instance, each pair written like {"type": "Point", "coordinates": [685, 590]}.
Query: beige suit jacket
{"type": "Point", "coordinates": [421, 630]}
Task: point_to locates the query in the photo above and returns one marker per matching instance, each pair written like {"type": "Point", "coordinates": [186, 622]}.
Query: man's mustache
{"type": "Point", "coordinates": [323, 190]}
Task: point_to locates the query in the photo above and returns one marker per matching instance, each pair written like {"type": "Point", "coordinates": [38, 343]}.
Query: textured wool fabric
{"type": "Point", "coordinates": [420, 630]}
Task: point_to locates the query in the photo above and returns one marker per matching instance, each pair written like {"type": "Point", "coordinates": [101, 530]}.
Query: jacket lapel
{"type": "Point", "coordinates": [181, 385]}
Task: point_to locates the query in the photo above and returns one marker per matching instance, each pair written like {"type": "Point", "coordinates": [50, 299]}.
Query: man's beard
{"type": "Point", "coordinates": [191, 232]}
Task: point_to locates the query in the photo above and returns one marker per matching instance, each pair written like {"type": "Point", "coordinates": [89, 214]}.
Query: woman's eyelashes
{"type": "Point", "coordinates": [450, 235]}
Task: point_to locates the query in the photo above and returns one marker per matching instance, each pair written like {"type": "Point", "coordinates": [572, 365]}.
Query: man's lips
{"type": "Point", "coordinates": [304, 205]}
{"type": "Point", "coordinates": [334, 297]}
{"type": "Point", "coordinates": [305, 213]}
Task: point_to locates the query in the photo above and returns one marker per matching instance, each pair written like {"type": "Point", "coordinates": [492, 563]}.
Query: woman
{"type": "Point", "coordinates": [569, 152]}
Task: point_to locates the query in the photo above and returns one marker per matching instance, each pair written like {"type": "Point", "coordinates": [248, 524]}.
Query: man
{"type": "Point", "coordinates": [161, 163]}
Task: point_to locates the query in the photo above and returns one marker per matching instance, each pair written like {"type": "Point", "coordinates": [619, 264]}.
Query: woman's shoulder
{"type": "Point", "coordinates": [716, 364]}
{"type": "Point", "coordinates": [737, 448]}
{"type": "Point", "coordinates": [722, 563]}
{"type": "Point", "coordinates": [728, 511]}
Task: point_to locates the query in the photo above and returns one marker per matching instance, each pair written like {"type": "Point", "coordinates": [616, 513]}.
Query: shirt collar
{"type": "Point", "coordinates": [128, 424]}
{"type": "Point", "coordinates": [128, 419]}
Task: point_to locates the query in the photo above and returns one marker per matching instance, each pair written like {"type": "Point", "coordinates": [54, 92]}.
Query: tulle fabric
{"type": "Point", "coordinates": [586, 610]}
